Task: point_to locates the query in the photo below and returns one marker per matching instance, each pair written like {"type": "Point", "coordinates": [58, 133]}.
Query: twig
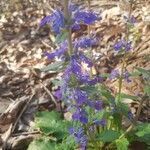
{"type": "Point", "coordinates": [48, 92]}
{"type": "Point", "coordinates": [139, 108]}
{"type": "Point", "coordinates": [13, 126]}
{"type": "Point", "coordinates": [45, 44]}
{"type": "Point", "coordinates": [136, 118]}
{"type": "Point", "coordinates": [26, 133]}
{"type": "Point", "coordinates": [22, 111]}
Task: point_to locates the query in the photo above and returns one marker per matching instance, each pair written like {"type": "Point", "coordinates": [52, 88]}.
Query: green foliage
{"type": "Point", "coordinates": [41, 144]}
{"type": "Point", "coordinates": [143, 132]}
{"type": "Point", "coordinates": [108, 135]}
{"type": "Point", "coordinates": [117, 120]}
{"type": "Point", "coordinates": [67, 144]}
{"type": "Point", "coordinates": [57, 82]}
{"type": "Point", "coordinates": [143, 129]}
{"type": "Point", "coordinates": [144, 72]}
{"type": "Point", "coordinates": [51, 123]}
{"type": "Point", "coordinates": [55, 67]}
{"type": "Point", "coordinates": [44, 143]}
{"type": "Point", "coordinates": [147, 90]}
{"type": "Point", "coordinates": [61, 37]}
{"type": "Point", "coordinates": [105, 93]}
{"type": "Point", "coordinates": [127, 96]}
{"type": "Point", "coordinates": [122, 108]}
{"type": "Point", "coordinates": [122, 144]}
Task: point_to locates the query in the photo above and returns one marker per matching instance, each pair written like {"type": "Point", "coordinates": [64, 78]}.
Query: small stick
{"type": "Point", "coordinates": [48, 92]}
{"type": "Point", "coordinates": [25, 133]}
{"type": "Point", "coordinates": [13, 126]}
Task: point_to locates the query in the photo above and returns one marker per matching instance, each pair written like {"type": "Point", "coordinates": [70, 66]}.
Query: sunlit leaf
{"type": "Point", "coordinates": [147, 90]}
{"type": "Point", "coordinates": [108, 135]}
{"type": "Point", "coordinates": [51, 123]}
{"type": "Point", "coordinates": [61, 37]}
{"type": "Point", "coordinates": [127, 96]}
{"type": "Point", "coordinates": [122, 144]}
{"type": "Point", "coordinates": [55, 67]}
{"type": "Point", "coordinates": [41, 144]}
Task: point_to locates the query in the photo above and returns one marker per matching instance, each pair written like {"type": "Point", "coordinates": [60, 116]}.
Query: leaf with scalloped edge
{"type": "Point", "coordinates": [122, 144]}
{"type": "Point", "coordinates": [41, 144]}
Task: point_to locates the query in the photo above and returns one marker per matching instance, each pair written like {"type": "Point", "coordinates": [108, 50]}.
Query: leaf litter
{"type": "Point", "coordinates": [25, 89]}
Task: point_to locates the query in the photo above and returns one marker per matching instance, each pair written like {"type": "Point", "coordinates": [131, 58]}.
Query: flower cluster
{"type": "Point", "coordinates": [95, 111]}
{"type": "Point", "coordinates": [57, 20]}
{"type": "Point", "coordinates": [78, 45]}
{"type": "Point", "coordinates": [75, 76]}
{"type": "Point", "coordinates": [116, 74]}
{"type": "Point", "coordinates": [130, 20]}
{"type": "Point", "coordinates": [80, 137]}
{"type": "Point", "coordinates": [123, 45]}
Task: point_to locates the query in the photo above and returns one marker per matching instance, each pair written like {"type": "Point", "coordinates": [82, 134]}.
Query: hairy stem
{"type": "Point", "coordinates": [67, 15]}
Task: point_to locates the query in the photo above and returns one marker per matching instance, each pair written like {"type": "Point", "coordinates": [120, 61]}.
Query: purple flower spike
{"type": "Point", "coordinates": [126, 76]}
{"type": "Point", "coordinates": [75, 66]}
{"type": "Point", "coordinates": [58, 94]}
{"type": "Point", "coordinates": [80, 97]}
{"type": "Point", "coordinates": [114, 74]}
{"type": "Point", "coordinates": [80, 137]}
{"type": "Point", "coordinates": [56, 21]}
{"type": "Point", "coordinates": [76, 27]}
{"type": "Point", "coordinates": [118, 46]}
{"type": "Point", "coordinates": [58, 52]}
{"type": "Point", "coordinates": [50, 55]}
{"type": "Point", "coordinates": [85, 59]}
{"type": "Point", "coordinates": [98, 105]}
{"type": "Point", "coordinates": [100, 122]}
{"type": "Point", "coordinates": [127, 46]}
{"type": "Point", "coordinates": [80, 115]}
{"type": "Point", "coordinates": [85, 17]}
{"type": "Point", "coordinates": [85, 42]}
{"type": "Point", "coordinates": [71, 130]}
{"type": "Point", "coordinates": [131, 20]}
{"type": "Point", "coordinates": [123, 45]}
{"type": "Point", "coordinates": [46, 20]}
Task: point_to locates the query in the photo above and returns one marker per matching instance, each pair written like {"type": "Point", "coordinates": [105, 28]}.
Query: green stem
{"type": "Point", "coordinates": [89, 29]}
{"type": "Point", "coordinates": [68, 29]}
{"type": "Point", "coordinates": [125, 55]}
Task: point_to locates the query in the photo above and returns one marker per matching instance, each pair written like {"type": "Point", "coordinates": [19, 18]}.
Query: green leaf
{"type": "Point", "coordinates": [67, 144]}
{"type": "Point", "coordinates": [61, 37]}
{"type": "Point", "coordinates": [127, 96]}
{"type": "Point", "coordinates": [145, 73]}
{"type": "Point", "coordinates": [108, 135]}
{"type": "Point", "coordinates": [122, 144]}
{"type": "Point", "coordinates": [57, 82]}
{"type": "Point", "coordinates": [46, 121]}
{"type": "Point", "coordinates": [51, 123]}
{"type": "Point", "coordinates": [143, 129]}
{"type": "Point", "coordinates": [105, 92]}
{"type": "Point", "coordinates": [105, 75]}
{"type": "Point", "coordinates": [123, 108]}
{"type": "Point", "coordinates": [41, 144]}
{"type": "Point", "coordinates": [135, 74]}
{"type": "Point", "coordinates": [55, 67]}
{"type": "Point", "coordinates": [147, 90]}
{"type": "Point", "coordinates": [117, 120]}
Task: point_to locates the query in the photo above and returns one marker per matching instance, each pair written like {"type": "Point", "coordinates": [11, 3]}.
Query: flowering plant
{"type": "Point", "coordinates": [97, 114]}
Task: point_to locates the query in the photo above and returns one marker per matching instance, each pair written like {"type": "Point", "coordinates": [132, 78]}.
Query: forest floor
{"type": "Point", "coordinates": [25, 89]}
